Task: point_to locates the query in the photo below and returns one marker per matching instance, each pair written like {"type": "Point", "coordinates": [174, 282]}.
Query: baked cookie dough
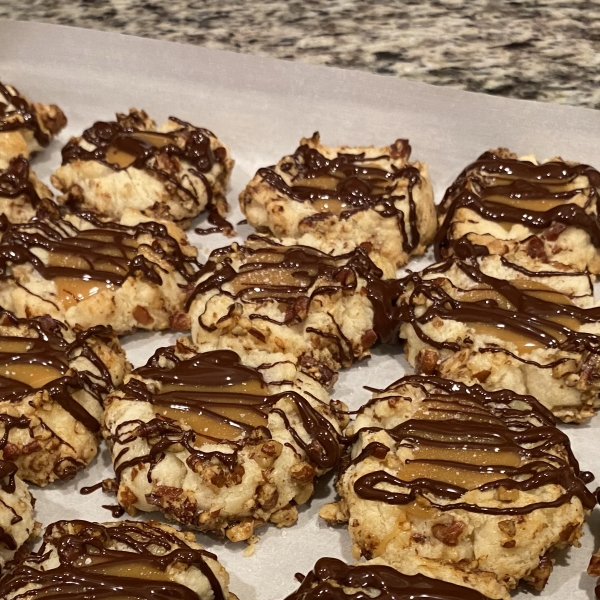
{"type": "Point", "coordinates": [17, 524]}
{"type": "Point", "coordinates": [325, 310]}
{"type": "Point", "coordinates": [594, 570]}
{"type": "Point", "coordinates": [460, 484]}
{"type": "Point", "coordinates": [138, 561]}
{"type": "Point", "coordinates": [517, 334]}
{"type": "Point", "coordinates": [173, 172]}
{"type": "Point", "coordinates": [335, 580]}
{"type": "Point", "coordinates": [218, 442]}
{"type": "Point", "coordinates": [53, 381]}
{"type": "Point", "coordinates": [523, 210]}
{"type": "Point", "coordinates": [21, 193]}
{"type": "Point", "coordinates": [336, 199]}
{"type": "Point", "coordinates": [86, 271]}
{"type": "Point", "coordinates": [25, 127]}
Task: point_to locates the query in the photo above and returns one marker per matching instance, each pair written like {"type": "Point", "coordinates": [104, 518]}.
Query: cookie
{"type": "Point", "coordinates": [21, 193]}
{"type": "Point", "coordinates": [337, 199]}
{"type": "Point", "coordinates": [138, 561]}
{"type": "Point", "coordinates": [17, 524]}
{"type": "Point", "coordinates": [218, 442]}
{"type": "Point", "coordinates": [86, 271]}
{"type": "Point", "coordinates": [520, 209]}
{"type": "Point", "coordinates": [326, 311]}
{"type": "Point", "coordinates": [173, 172]}
{"type": "Point", "coordinates": [53, 381]}
{"type": "Point", "coordinates": [518, 334]}
{"type": "Point", "coordinates": [25, 127]}
{"type": "Point", "coordinates": [335, 580]}
{"type": "Point", "coordinates": [460, 484]}
{"type": "Point", "coordinates": [594, 570]}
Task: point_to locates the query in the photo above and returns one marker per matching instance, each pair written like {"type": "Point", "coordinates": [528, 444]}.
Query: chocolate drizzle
{"type": "Point", "coordinates": [15, 182]}
{"type": "Point", "coordinates": [21, 115]}
{"type": "Point", "coordinates": [222, 402]}
{"type": "Point", "coordinates": [348, 184]}
{"type": "Point", "coordinates": [476, 422]}
{"type": "Point", "coordinates": [107, 252]}
{"type": "Point", "coordinates": [92, 569]}
{"type": "Point", "coordinates": [130, 142]}
{"type": "Point", "coordinates": [8, 471]}
{"type": "Point", "coordinates": [499, 188]}
{"type": "Point", "coordinates": [530, 315]}
{"type": "Point", "coordinates": [46, 347]}
{"type": "Point", "coordinates": [285, 274]}
{"type": "Point", "coordinates": [331, 578]}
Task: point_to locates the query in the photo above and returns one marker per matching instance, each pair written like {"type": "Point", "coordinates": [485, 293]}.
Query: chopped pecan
{"type": "Point", "coordinates": [368, 338]}
{"type": "Point", "coordinates": [141, 315]}
{"type": "Point", "coordinates": [297, 312]}
{"type": "Point", "coordinates": [179, 321]}
{"type": "Point", "coordinates": [267, 496]}
{"type": "Point", "coordinates": [482, 375]}
{"type": "Point", "coordinates": [302, 472]}
{"type": "Point", "coordinates": [347, 277]}
{"type": "Point", "coordinates": [594, 566]}
{"type": "Point", "coordinates": [590, 369]}
{"type": "Point", "coordinates": [539, 576]}
{"type": "Point", "coordinates": [11, 452]}
{"type": "Point", "coordinates": [448, 534]}
{"type": "Point", "coordinates": [552, 233]}
{"type": "Point", "coordinates": [535, 248]}
{"type": "Point", "coordinates": [508, 527]}
{"type": "Point", "coordinates": [426, 361]}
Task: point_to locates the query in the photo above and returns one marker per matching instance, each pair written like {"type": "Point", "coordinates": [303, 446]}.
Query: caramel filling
{"type": "Point", "coordinates": [455, 475]}
{"type": "Point", "coordinates": [530, 288]}
{"type": "Point", "coordinates": [481, 294]}
{"type": "Point", "coordinates": [130, 568]}
{"type": "Point", "coordinates": [35, 376]}
{"type": "Point", "coordinates": [554, 185]}
{"type": "Point", "coordinates": [153, 138]}
{"type": "Point", "coordinates": [70, 291]}
{"type": "Point", "coordinates": [268, 278]}
{"type": "Point", "coordinates": [265, 257]}
{"type": "Point", "coordinates": [330, 206]}
{"type": "Point", "coordinates": [117, 157]}
{"type": "Point", "coordinates": [123, 159]}
{"type": "Point", "coordinates": [537, 205]}
{"type": "Point", "coordinates": [324, 182]}
{"type": "Point", "coordinates": [218, 419]}
{"type": "Point", "coordinates": [15, 346]}
{"type": "Point", "coordinates": [542, 291]}
{"type": "Point", "coordinates": [523, 344]}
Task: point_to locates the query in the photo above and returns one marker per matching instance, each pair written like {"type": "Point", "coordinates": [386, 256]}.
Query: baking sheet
{"type": "Point", "coordinates": [260, 108]}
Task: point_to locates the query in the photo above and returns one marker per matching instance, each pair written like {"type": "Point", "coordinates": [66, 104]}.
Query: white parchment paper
{"type": "Point", "coordinates": [261, 108]}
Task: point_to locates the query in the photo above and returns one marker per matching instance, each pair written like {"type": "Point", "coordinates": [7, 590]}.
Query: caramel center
{"type": "Point", "coordinates": [34, 375]}
{"type": "Point", "coordinates": [70, 291]}
{"type": "Point", "coordinates": [454, 474]}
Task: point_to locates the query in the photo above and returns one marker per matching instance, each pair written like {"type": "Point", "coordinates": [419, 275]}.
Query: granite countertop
{"type": "Point", "coordinates": [546, 50]}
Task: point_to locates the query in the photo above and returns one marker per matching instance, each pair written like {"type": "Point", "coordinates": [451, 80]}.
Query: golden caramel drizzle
{"type": "Point", "coordinates": [323, 182]}
{"type": "Point", "coordinates": [70, 291]}
{"type": "Point", "coordinates": [213, 426]}
{"type": "Point", "coordinates": [117, 157]}
{"type": "Point", "coordinates": [266, 278]}
{"type": "Point", "coordinates": [34, 375]}
{"type": "Point", "coordinates": [522, 343]}
{"type": "Point", "coordinates": [15, 346]}
{"type": "Point", "coordinates": [158, 140]}
{"type": "Point", "coordinates": [330, 206]}
{"type": "Point", "coordinates": [537, 205]}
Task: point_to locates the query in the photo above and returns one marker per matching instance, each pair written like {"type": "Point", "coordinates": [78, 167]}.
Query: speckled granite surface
{"type": "Point", "coordinates": [545, 50]}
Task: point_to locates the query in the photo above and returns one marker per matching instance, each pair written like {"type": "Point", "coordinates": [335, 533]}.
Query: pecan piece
{"type": "Point", "coordinates": [448, 534]}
